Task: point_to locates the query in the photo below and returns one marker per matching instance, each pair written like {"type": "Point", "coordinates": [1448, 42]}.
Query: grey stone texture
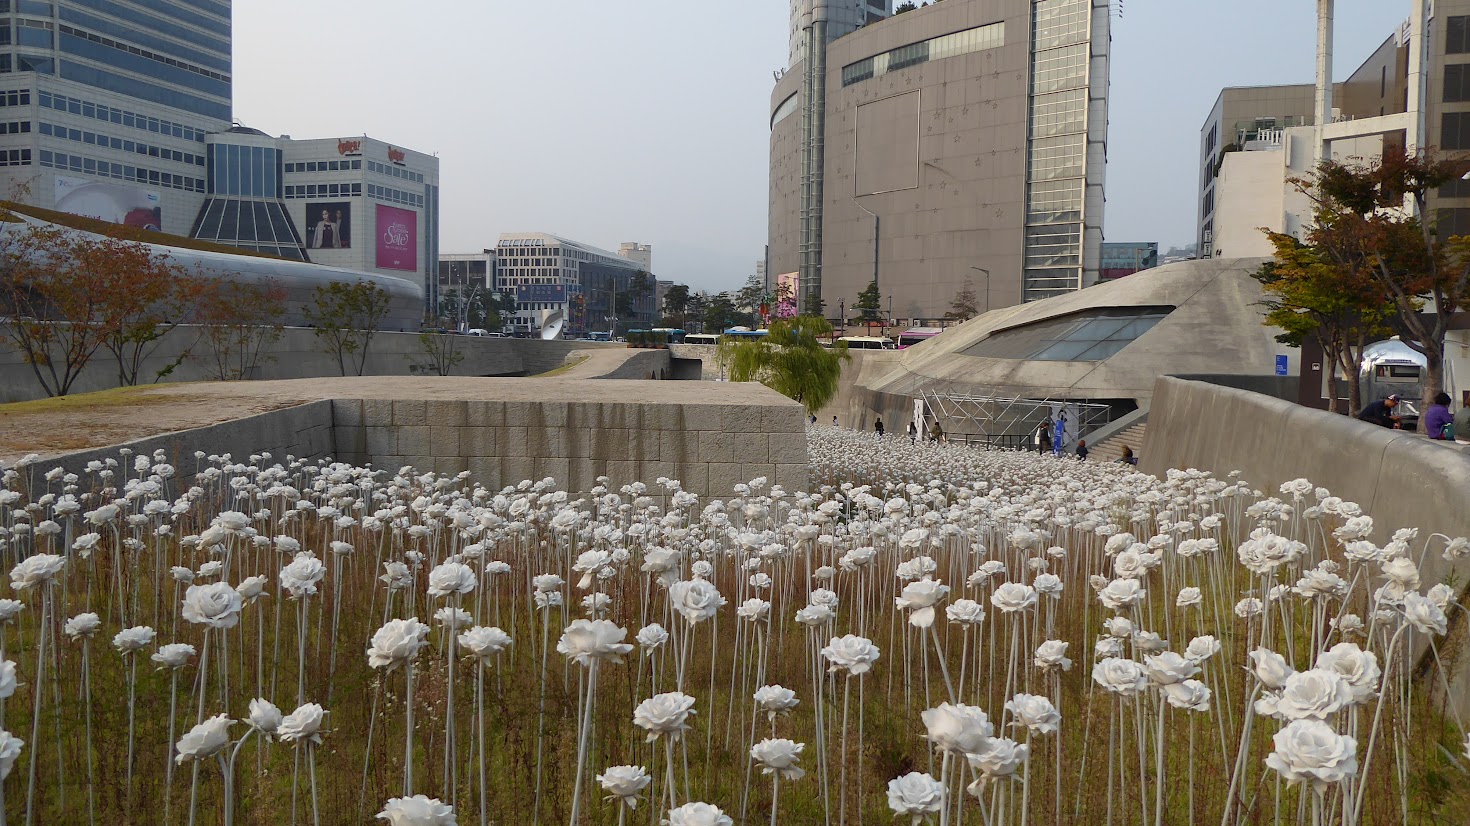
{"type": "Point", "coordinates": [710, 436]}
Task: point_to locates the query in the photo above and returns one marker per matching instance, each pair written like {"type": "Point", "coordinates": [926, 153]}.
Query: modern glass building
{"type": "Point", "coordinates": [106, 105]}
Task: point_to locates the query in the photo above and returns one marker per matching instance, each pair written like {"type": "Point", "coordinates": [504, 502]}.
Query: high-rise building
{"type": "Point", "coordinates": [962, 141]}
{"type": "Point", "coordinates": [843, 17]}
{"type": "Point", "coordinates": [1126, 258]}
{"type": "Point", "coordinates": [640, 254]}
{"type": "Point", "coordinates": [590, 288]}
{"type": "Point", "coordinates": [104, 106]}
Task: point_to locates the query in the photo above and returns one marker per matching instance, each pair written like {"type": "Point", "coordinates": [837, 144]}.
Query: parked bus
{"type": "Point", "coordinates": [745, 332]}
{"type": "Point", "coordinates": [702, 338]}
{"type": "Point", "coordinates": [867, 343]}
{"type": "Point", "coordinates": [909, 338]}
{"type": "Point", "coordinates": [671, 335]}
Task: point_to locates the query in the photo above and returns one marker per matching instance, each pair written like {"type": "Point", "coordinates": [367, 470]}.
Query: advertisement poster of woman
{"type": "Point", "coordinates": [329, 225]}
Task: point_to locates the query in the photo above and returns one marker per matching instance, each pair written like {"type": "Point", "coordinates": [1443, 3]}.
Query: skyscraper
{"type": "Point", "coordinates": [120, 91]}
{"type": "Point", "coordinates": [843, 17]}
{"type": "Point", "coordinates": [959, 142]}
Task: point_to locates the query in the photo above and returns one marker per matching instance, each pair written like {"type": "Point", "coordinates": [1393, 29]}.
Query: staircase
{"type": "Point", "coordinates": [1111, 448]}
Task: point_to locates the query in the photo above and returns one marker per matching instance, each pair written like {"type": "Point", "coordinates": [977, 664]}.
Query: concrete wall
{"type": "Point", "coordinates": [297, 355]}
{"type": "Point", "coordinates": [1400, 479]}
{"type": "Point", "coordinates": [305, 431]}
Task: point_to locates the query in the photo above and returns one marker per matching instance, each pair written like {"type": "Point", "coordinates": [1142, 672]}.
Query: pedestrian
{"type": "Point", "coordinates": [878, 427]}
{"type": "Point", "coordinates": [814, 418]}
{"type": "Point", "coordinates": [1082, 450]}
{"type": "Point", "coordinates": [1043, 438]}
{"type": "Point", "coordinates": [936, 433]}
{"type": "Point", "coordinates": [913, 434]}
{"type": "Point", "coordinates": [1438, 419]}
{"type": "Point", "coordinates": [1128, 458]}
{"type": "Point", "coordinates": [1382, 413]}
{"type": "Point", "coordinates": [834, 421]}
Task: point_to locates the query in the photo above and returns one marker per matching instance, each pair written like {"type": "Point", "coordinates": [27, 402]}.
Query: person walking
{"type": "Point", "coordinates": [834, 422]}
{"type": "Point", "coordinates": [1438, 417]}
{"type": "Point", "coordinates": [1382, 413]}
{"type": "Point", "coordinates": [1043, 438]}
{"type": "Point", "coordinates": [913, 434]}
{"type": "Point", "coordinates": [878, 427]}
{"type": "Point", "coordinates": [1082, 450]}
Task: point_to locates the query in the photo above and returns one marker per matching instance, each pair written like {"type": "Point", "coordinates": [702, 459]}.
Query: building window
{"type": "Point", "coordinates": [1092, 335]}
{"type": "Point", "coordinates": [1449, 223]}
{"type": "Point", "coordinates": [1457, 82]}
{"type": "Point", "coordinates": [1457, 35]}
{"type": "Point", "coordinates": [1454, 132]}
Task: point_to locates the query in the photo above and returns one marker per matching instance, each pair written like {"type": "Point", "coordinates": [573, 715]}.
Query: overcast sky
{"type": "Point", "coordinates": [647, 121]}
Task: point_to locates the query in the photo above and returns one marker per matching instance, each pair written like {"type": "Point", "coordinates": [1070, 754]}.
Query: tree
{"type": "Point", "coordinates": [750, 297]}
{"type": "Point", "coordinates": [962, 306]}
{"type": "Point", "coordinates": [345, 315]}
{"type": "Point", "coordinates": [502, 310]}
{"type": "Point", "coordinates": [696, 306]}
{"type": "Point", "coordinates": [161, 296]}
{"type": "Point", "coordinates": [68, 294]}
{"type": "Point", "coordinates": [676, 303]}
{"type": "Point", "coordinates": [790, 360]}
{"type": "Point", "coordinates": [814, 305]}
{"type": "Point", "coordinates": [869, 304]}
{"type": "Point", "coordinates": [440, 354]}
{"type": "Point", "coordinates": [1361, 225]}
{"type": "Point", "coordinates": [239, 321]}
{"type": "Point", "coordinates": [1308, 296]}
{"type": "Point", "coordinates": [721, 313]}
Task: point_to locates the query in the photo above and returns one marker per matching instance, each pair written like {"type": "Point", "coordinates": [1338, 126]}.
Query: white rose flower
{"type": "Point", "coordinates": [395, 575]}
{"type": "Point", "coordinates": [587, 641]}
{"type": "Point", "coordinates": [998, 759]}
{"type": "Point", "coordinates": [1190, 695]}
{"type": "Point", "coordinates": [814, 615]}
{"type": "Point", "coordinates": [1423, 614]}
{"type": "Point", "coordinates": [1168, 668]}
{"type": "Point", "coordinates": [1034, 712]}
{"type": "Point", "coordinates": [1115, 675]}
{"type": "Point", "coordinates": [216, 605]}
{"type": "Point", "coordinates": [174, 655]}
{"type": "Point", "coordinates": [1202, 648]}
{"type": "Point", "coordinates": [453, 618]}
{"type": "Point", "coordinates": [1121, 594]}
{"type": "Point", "coordinates": [82, 625]}
{"type": "Point", "coordinates": [919, 598]}
{"type": "Point", "coordinates": [302, 725]}
{"type": "Point", "coordinates": [300, 577]}
{"type": "Point", "coordinates": [1010, 597]}
{"type": "Point", "coordinates": [965, 612]}
{"type": "Point", "coordinates": [652, 637]}
{"type": "Point", "coordinates": [1270, 668]}
{"type": "Point", "coordinates": [1049, 584]}
{"type": "Point", "coordinates": [1248, 608]}
{"type": "Point", "coordinates": [397, 642]}
{"type": "Point", "coordinates": [10, 609]}
{"type": "Point", "coordinates": [958, 729]}
{"type": "Point", "coordinates": [774, 699]}
{"type": "Point", "coordinates": [1188, 596]}
{"type": "Point", "coordinates": [1053, 654]}
{"type": "Point", "coordinates": [664, 714]}
{"type": "Point", "coordinates": [624, 783]}
{"type": "Point", "coordinates": [779, 757]}
{"type": "Point", "coordinates": [133, 639]}
{"type": "Point", "coordinates": [754, 610]}
{"type": "Point", "coordinates": [8, 682]}
{"type": "Point", "coordinates": [1441, 595]}
{"type": "Point", "coordinates": [10, 747]}
{"type": "Point", "coordinates": [38, 569]}
{"type": "Point", "coordinates": [451, 578]}
{"type": "Point", "coordinates": [265, 716]}
{"type": "Point", "coordinates": [696, 599]}
{"type": "Point", "coordinates": [1310, 751]}
{"type": "Point", "coordinates": [418, 810]}
{"type": "Point", "coordinates": [1315, 694]}
{"type": "Point", "coordinates": [698, 814]}
{"type": "Point", "coordinates": [483, 642]}
{"type": "Point", "coordinates": [850, 653]}
{"type": "Point", "coordinates": [916, 795]}
{"type": "Point", "coordinates": [204, 740]}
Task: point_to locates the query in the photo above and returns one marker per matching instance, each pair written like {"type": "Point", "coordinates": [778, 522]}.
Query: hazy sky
{"type": "Point", "coordinates": [647, 121]}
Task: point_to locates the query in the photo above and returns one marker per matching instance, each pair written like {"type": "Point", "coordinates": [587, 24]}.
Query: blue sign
{"type": "Point", "coordinates": [1281, 365]}
{"type": "Point", "coordinates": [541, 293]}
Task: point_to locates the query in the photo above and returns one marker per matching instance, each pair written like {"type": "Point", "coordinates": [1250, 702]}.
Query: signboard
{"type": "Point", "coordinates": [329, 225]}
{"type": "Point", "coordinates": [919, 416]}
{"type": "Point", "coordinates": [109, 202]}
{"type": "Point", "coordinates": [1281, 365]}
{"type": "Point", "coordinates": [541, 293]}
{"type": "Point", "coordinates": [398, 238]}
{"type": "Point", "coordinates": [346, 147]}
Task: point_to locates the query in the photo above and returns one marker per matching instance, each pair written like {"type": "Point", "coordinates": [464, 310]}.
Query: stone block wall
{"type": "Point", "coordinates": [708, 447]}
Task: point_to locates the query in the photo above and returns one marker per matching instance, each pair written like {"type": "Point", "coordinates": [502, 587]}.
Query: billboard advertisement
{"type": "Point", "coordinates": [109, 202]}
{"type": "Point", "coordinates": [398, 238]}
{"type": "Point", "coordinates": [788, 289]}
{"type": "Point", "coordinates": [541, 293]}
{"type": "Point", "coordinates": [329, 225]}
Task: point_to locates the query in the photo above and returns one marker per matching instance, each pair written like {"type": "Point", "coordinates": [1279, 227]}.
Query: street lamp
{"type": "Point", "coordinates": [842, 314]}
{"type": "Point", "coordinates": [987, 286]}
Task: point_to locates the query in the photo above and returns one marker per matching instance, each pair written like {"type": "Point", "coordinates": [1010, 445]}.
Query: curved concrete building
{"type": "Point", "coordinates": [1106, 345]}
{"type": "Point", "coordinates": [959, 142]}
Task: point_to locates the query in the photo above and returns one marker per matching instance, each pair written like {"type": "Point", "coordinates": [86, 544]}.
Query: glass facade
{"type": "Point", "coordinates": [1092, 335]}
{"type": "Point", "coordinates": [246, 171]}
{"type": "Point", "coordinates": [968, 41]}
{"type": "Point", "coordinates": [1057, 151]}
{"type": "Point", "coordinates": [262, 226]}
{"type": "Point", "coordinates": [166, 52]}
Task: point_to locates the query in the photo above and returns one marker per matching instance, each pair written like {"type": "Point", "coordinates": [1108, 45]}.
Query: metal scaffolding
{"type": "Point", "coordinates": [1010, 422]}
